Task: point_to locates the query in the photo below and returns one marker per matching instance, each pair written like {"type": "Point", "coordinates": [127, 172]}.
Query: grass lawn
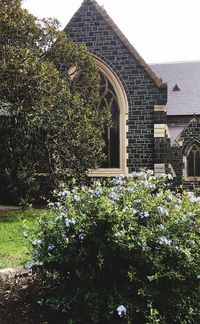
{"type": "Point", "coordinates": [13, 246]}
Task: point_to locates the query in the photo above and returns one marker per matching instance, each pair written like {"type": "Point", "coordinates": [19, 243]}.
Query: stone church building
{"type": "Point", "coordinates": [155, 109]}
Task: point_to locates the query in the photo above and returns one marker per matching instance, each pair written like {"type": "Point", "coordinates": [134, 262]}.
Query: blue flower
{"type": "Point", "coordinates": [164, 240]}
{"type": "Point", "coordinates": [36, 242]}
{"type": "Point", "coordinates": [76, 198]}
{"type": "Point", "coordinates": [161, 227]}
{"type": "Point", "coordinates": [118, 181]}
{"type": "Point", "coordinates": [64, 193]}
{"type": "Point", "coordinates": [82, 235]}
{"type": "Point", "coordinates": [56, 205]}
{"type": "Point", "coordinates": [97, 192]}
{"type": "Point", "coordinates": [114, 196]}
{"type": "Point", "coordinates": [160, 209]}
{"type": "Point", "coordinates": [50, 247]}
{"type": "Point", "coordinates": [144, 214]}
{"type": "Point", "coordinates": [138, 174]}
{"type": "Point", "coordinates": [64, 213]}
{"type": "Point", "coordinates": [129, 189]}
{"type": "Point", "coordinates": [182, 217]}
{"type": "Point", "coordinates": [169, 176]}
{"type": "Point", "coordinates": [69, 222]}
{"type": "Point", "coordinates": [29, 265]}
{"type": "Point", "coordinates": [117, 188]}
{"type": "Point", "coordinates": [170, 197]}
{"type": "Point", "coordinates": [121, 310]}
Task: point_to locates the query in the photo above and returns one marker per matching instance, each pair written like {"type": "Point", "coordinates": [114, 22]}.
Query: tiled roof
{"type": "Point", "coordinates": [185, 77]}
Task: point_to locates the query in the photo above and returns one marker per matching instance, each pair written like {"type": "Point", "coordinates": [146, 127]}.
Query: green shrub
{"type": "Point", "coordinates": [122, 252]}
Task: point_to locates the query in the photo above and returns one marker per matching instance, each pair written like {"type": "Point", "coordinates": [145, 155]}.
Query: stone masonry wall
{"type": "Point", "coordinates": [191, 132]}
{"type": "Point", "coordinates": [88, 26]}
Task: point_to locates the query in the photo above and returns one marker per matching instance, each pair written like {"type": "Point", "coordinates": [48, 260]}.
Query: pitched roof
{"type": "Point", "coordinates": [125, 41]}
{"type": "Point", "coordinates": [183, 80]}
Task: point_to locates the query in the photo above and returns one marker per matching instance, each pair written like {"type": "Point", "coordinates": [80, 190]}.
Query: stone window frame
{"type": "Point", "coordinates": [186, 151]}
{"type": "Point", "coordinates": [123, 117]}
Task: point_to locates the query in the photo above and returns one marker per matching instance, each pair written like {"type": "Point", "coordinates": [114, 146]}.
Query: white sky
{"type": "Point", "coordinates": [160, 30]}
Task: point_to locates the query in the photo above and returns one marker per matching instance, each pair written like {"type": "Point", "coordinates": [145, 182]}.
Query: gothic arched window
{"type": "Point", "coordinates": [193, 161]}
{"type": "Point", "coordinates": [108, 100]}
{"type": "Point", "coordinates": [113, 98]}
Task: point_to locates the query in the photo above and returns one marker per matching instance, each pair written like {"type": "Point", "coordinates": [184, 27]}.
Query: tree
{"type": "Point", "coordinates": [50, 88]}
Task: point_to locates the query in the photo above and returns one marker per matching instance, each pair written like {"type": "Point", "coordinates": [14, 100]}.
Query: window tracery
{"type": "Point", "coordinates": [193, 161]}
{"type": "Point", "coordinates": [109, 100]}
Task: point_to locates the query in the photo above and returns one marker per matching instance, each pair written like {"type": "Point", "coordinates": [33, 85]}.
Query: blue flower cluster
{"type": "Point", "coordinates": [97, 192]}
{"type": "Point", "coordinates": [64, 193]}
{"type": "Point", "coordinates": [37, 242]}
{"type": "Point", "coordinates": [82, 235]}
{"type": "Point", "coordinates": [165, 241]}
{"type": "Point", "coordinates": [76, 198]}
{"type": "Point", "coordinates": [114, 196]}
{"type": "Point", "coordinates": [57, 205]}
{"type": "Point", "coordinates": [29, 265]}
{"type": "Point", "coordinates": [118, 181]}
{"type": "Point", "coordinates": [50, 247]}
{"type": "Point", "coordinates": [144, 214]}
{"type": "Point", "coordinates": [160, 209]}
{"type": "Point", "coordinates": [121, 310]}
{"type": "Point", "coordinates": [69, 222]}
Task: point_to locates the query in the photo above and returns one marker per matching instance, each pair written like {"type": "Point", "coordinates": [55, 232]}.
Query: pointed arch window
{"type": "Point", "coordinates": [113, 97]}
{"type": "Point", "coordinates": [193, 161]}
{"type": "Point", "coordinates": [109, 101]}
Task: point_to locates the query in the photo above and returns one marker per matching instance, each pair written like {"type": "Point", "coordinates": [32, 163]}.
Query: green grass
{"type": "Point", "coordinates": [13, 246]}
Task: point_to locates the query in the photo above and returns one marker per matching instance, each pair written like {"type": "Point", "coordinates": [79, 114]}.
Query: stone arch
{"type": "Point", "coordinates": [191, 159]}
{"type": "Point", "coordinates": [121, 96]}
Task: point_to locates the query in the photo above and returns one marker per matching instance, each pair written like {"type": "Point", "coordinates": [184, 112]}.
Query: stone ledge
{"type": "Point", "coordinates": [8, 208]}
{"type": "Point", "coordinates": [10, 273]}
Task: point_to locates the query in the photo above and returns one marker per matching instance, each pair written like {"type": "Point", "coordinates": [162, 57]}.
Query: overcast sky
{"type": "Point", "coordinates": [160, 30]}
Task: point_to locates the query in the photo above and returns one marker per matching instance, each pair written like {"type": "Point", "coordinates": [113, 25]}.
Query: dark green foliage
{"type": "Point", "coordinates": [50, 86]}
{"type": "Point", "coordinates": [131, 243]}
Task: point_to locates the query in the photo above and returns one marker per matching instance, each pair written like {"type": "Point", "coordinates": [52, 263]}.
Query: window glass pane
{"type": "Point", "coordinates": [108, 100]}
{"type": "Point", "coordinates": [114, 137]}
{"type": "Point", "coordinates": [197, 164]}
{"type": "Point", "coordinates": [190, 164]}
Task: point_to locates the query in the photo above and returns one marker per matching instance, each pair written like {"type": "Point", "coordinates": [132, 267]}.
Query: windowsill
{"type": "Point", "coordinates": [101, 172]}
{"type": "Point", "coordinates": [192, 179]}
{"type": "Point", "coordinates": [107, 172]}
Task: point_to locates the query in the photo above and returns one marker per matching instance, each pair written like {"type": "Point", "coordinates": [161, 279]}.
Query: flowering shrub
{"type": "Point", "coordinates": [122, 252]}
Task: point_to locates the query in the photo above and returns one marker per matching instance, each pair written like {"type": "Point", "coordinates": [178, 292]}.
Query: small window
{"type": "Point", "coordinates": [193, 161]}
{"type": "Point", "coordinates": [108, 99]}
